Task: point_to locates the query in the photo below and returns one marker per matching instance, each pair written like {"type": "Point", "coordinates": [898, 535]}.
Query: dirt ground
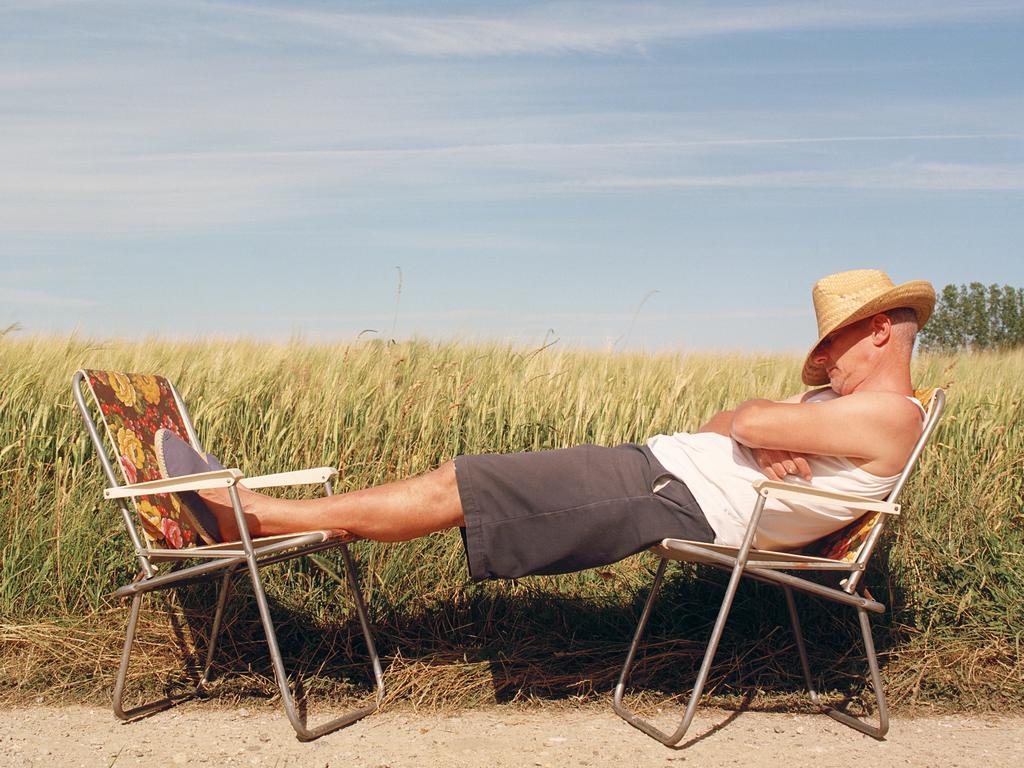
{"type": "Point", "coordinates": [206, 734]}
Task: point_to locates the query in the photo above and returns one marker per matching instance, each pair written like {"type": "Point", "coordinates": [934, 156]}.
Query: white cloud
{"type": "Point", "coordinates": [598, 27]}
{"type": "Point", "coordinates": [120, 144]}
{"type": "Point", "coordinates": [904, 176]}
{"type": "Point", "coordinates": [519, 151]}
{"type": "Point", "coordinates": [169, 192]}
{"type": "Point", "coordinates": [31, 297]}
{"type": "Point", "coordinates": [543, 28]}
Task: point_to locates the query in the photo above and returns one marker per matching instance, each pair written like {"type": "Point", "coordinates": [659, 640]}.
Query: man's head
{"type": "Point", "coordinates": [861, 315]}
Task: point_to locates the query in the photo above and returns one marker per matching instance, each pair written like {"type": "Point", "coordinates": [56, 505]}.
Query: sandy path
{"type": "Point", "coordinates": [205, 734]}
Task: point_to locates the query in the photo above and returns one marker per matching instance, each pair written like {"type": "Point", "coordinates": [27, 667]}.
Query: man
{"type": "Point", "coordinates": [564, 510]}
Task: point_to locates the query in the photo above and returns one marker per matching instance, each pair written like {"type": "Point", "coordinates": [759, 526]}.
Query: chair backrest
{"type": "Point", "coordinates": [132, 408]}
{"type": "Point", "coordinates": [855, 542]}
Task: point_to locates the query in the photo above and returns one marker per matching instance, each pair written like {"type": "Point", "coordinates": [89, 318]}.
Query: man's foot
{"type": "Point", "coordinates": [264, 515]}
{"type": "Point", "coordinates": [218, 500]}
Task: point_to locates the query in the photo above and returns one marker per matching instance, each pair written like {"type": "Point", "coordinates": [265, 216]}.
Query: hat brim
{"type": "Point", "coordinates": [918, 295]}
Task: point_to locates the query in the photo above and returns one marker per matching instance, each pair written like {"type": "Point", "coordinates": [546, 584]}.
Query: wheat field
{"type": "Point", "coordinates": [952, 570]}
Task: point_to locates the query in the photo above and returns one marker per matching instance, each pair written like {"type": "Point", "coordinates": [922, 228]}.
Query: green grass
{"type": "Point", "coordinates": [952, 570]}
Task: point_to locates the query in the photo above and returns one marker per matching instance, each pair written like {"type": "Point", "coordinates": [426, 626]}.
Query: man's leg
{"type": "Point", "coordinates": [396, 511]}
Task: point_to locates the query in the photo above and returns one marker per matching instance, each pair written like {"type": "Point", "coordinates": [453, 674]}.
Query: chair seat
{"type": "Point", "coordinates": [688, 551]}
{"type": "Point", "coordinates": [261, 544]}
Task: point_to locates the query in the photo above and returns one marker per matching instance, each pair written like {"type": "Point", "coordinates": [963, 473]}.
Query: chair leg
{"type": "Point", "coordinates": [122, 675]}
{"type": "Point", "coordinates": [304, 733]}
{"type": "Point", "coordinates": [222, 599]}
{"type": "Point", "coordinates": [801, 646]}
{"type": "Point", "coordinates": [364, 623]}
{"type": "Point", "coordinates": [620, 687]}
{"type": "Point", "coordinates": [875, 731]}
{"type": "Point", "coordinates": [357, 598]}
{"type": "Point", "coordinates": [674, 738]}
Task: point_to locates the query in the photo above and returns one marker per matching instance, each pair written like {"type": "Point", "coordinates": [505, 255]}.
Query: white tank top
{"type": "Point", "coordinates": [720, 472]}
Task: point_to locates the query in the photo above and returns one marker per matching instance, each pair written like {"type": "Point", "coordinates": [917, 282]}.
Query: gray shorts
{"type": "Point", "coordinates": [569, 509]}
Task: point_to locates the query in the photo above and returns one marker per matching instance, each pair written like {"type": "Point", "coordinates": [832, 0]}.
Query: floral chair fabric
{"type": "Point", "coordinates": [845, 544]}
{"type": "Point", "coordinates": [133, 407]}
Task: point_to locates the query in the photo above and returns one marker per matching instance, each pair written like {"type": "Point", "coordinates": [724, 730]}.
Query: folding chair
{"type": "Point", "coordinates": [845, 552]}
{"type": "Point", "coordinates": [132, 408]}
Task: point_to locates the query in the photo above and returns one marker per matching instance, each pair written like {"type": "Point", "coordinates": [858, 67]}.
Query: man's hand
{"type": "Point", "coordinates": [777, 464]}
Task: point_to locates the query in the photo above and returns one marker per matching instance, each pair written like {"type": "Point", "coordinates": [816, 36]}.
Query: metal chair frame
{"type": "Point", "coordinates": [765, 567]}
{"type": "Point", "coordinates": [224, 562]}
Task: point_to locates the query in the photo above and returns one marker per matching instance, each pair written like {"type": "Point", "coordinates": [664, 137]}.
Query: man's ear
{"type": "Point", "coordinates": [881, 329]}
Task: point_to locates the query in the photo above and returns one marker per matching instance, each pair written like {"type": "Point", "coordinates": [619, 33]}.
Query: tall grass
{"type": "Point", "coordinates": [953, 571]}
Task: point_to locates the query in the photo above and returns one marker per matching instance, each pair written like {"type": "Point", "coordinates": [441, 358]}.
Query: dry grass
{"type": "Point", "coordinates": [953, 570]}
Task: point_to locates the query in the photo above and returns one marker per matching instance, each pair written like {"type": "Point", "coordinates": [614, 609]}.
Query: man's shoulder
{"type": "Point", "coordinates": [894, 408]}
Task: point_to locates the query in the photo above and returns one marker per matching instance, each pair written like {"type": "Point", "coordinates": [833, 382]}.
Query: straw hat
{"type": "Point", "coordinates": [846, 297]}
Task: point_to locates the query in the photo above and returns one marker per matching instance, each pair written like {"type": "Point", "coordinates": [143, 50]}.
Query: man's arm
{"type": "Point", "coordinates": [879, 427]}
{"type": "Point", "coordinates": [721, 423]}
{"type": "Point", "coordinates": [774, 464]}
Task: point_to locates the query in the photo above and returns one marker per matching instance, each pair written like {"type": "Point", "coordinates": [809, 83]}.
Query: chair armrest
{"type": "Point", "coordinates": [313, 476]}
{"type": "Point", "coordinates": [221, 478]}
{"type": "Point", "coordinates": [773, 489]}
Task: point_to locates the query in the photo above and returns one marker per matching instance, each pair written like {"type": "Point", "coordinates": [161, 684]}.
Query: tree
{"type": "Point", "coordinates": [976, 317]}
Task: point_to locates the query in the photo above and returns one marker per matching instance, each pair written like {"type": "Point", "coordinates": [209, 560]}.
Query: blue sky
{"type": "Point", "coordinates": [265, 169]}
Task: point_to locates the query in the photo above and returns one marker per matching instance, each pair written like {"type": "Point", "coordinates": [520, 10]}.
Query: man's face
{"type": "Point", "coordinates": [843, 354]}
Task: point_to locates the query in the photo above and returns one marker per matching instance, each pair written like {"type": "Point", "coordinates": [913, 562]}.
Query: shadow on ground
{"type": "Point", "coordinates": [485, 645]}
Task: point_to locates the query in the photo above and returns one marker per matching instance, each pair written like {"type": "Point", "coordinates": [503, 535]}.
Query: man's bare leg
{"type": "Point", "coordinates": [396, 511]}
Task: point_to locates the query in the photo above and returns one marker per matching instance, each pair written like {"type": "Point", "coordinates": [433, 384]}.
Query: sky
{"type": "Point", "coordinates": [659, 176]}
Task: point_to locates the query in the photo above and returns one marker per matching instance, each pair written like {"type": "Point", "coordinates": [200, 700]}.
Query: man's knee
{"type": "Point", "coordinates": [444, 478]}
{"type": "Point", "coordinates": [446, 490]}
